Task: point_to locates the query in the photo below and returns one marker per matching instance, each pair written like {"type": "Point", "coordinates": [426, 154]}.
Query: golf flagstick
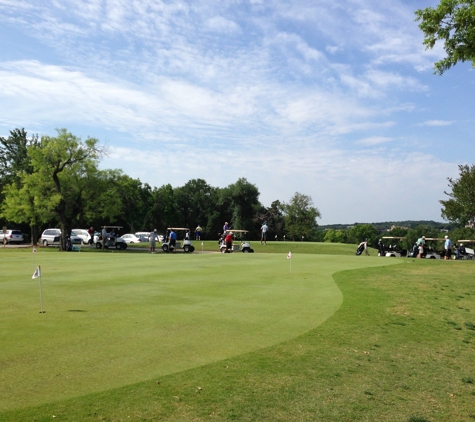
{"type": "Point", "coordinates": [289, 257]}
{"type": "Point", "coordinates": [202, 247]}
{"type": "Point", "coordinates": [37, 274]}
{"type": "Point", "coordinates": [33, 257]}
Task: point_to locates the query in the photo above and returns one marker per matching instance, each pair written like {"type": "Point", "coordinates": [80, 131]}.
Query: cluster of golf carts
{"type": "Point", "coordinates": [394, 249]}
{"type": "Point", "coordinates": [186, 245]}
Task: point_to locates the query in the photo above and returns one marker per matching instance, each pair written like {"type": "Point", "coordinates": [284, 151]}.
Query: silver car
{"type": "Point", "coordinates": [53, 237]}
{"type": "Point", "coordinates": [83, 234]}
{"type": "Point", "coordinates": [11, 236]}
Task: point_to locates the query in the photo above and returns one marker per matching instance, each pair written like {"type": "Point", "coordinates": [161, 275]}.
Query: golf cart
{"type": "Point", "coordinates": [187, 246]}
{"type": "Point", "coordinates": [113, 241]}
{"type": "Point", "coordinates": [469, 252]}
{"type": "Point", "coordinates": [430, 252]}
{"type": "Point", "coordinates": [244, 246]}
{"type": "Point", "coordinates": [394, 250]}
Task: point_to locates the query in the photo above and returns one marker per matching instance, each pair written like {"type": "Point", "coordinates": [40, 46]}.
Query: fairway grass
{"type": "Point", "coordinates": [114, 319]}
{"type": "Point", "coordinates": [385, 343]}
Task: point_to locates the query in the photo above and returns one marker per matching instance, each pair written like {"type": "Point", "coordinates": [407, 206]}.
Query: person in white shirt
{"type": "Point", "coordinates": [264, 229]}
{"type": "Point", "coordinates": [153, 240]}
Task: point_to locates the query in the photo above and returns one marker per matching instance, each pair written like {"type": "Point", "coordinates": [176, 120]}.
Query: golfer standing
{"type": "Point", "coordinates": [421, 242]}
{"type": "Point", "coordinates": [172, 240]}
{"type": "Point", "coordinates": [198, 231]}
{"type": "Point", "coordinates": [448, 248]}
{"type": "Point", "coordinates": [153, 240]}
{"type": "Point", "coordinates": [229, 242]}
{"type": "Point", "coordinates": [264, 229]}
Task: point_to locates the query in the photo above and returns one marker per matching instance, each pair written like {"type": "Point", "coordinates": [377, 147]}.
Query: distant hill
{"type": "Point", "coordinates": [388, 224]}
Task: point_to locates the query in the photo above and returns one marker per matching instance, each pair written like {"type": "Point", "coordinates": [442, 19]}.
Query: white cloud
{"type": "Point", "coordinates": [295, 96]}
{"type": "Point", "coordinates": [223, 25]}
{"type": "Point", "coordinates": [436, 123]}
{"type": "Point", "coordinates": [374, 140]}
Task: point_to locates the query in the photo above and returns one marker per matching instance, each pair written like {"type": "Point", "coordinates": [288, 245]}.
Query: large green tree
{"type": "Point", "coordinates": [135, 200]}
{"type": "Point", "coordinates": [163, 212]}
{"type": "Point", "coordinates": [239, 204]}
{"type": "Point", "coordinates": [453, 23]}
{"type": "Point", "coordinates": [460, 207]}
{"type": "Point", "coordinates": [274, 218]}
{"type": "Point", "coordinates": [360, 232]}
{"type": "Point", "coordinates": [14, 162]}
{"type": "Point", "coordinates": [300, 217]}
{"type": "Point", "coordinates": [65, 184]}
{"type": "Point", "coordinates": [195, 204]}
{"type": "Point", "coordinates": [335, 236]}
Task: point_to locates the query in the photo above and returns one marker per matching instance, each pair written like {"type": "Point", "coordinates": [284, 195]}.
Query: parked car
{"type": "Point", "coordinates": [50, 237]}
{"type": "Point", "coordinates": [53, 237]}
{"type": "Point", "coordinates": [146, 236]}
{"type": "Point", "coordinates": [12, 236]}
{"type": "Point", "coordinates": [83, 234]}
{"type": "Point", "coordinates": [131, 238]}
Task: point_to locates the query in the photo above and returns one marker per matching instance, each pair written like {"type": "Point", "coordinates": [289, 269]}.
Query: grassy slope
{"type": "Point", "coordinates": [400, 348]}
{"type": "Point", "coordinates": [117, 318]}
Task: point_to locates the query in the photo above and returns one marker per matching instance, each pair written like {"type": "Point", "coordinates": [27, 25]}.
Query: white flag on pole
{"type": "Point", "coordinates": [289, 255]}
{"type": "Point", "coordinates": [34, 249]}
{"type": "Point", "coordinates": [37, 273]}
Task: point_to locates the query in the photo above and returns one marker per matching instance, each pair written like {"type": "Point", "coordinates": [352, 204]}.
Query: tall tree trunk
{"type": "Point", "coordinates": [34, 234]}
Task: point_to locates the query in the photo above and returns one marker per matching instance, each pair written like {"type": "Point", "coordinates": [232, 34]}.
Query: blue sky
{"type": "Point", "coordinates": [333, 99]}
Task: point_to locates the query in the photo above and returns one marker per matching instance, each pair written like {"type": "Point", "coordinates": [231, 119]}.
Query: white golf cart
{"type": "Point", "coordinates": [429, 251]}
{"type": "Point", "coordinates": [394, 249]}
{"type": "Point", "coordinates": [240, 246]}
{"type": "Point", "coordinates": [469, 252]}
{"type": "Point", "coordinates": [112, 240]}
{"type": "Point", "coordinates": [187, 246]}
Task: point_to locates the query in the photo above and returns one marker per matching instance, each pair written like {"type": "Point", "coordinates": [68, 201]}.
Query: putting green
{"type": "Point", "coordinates": [118, 318]}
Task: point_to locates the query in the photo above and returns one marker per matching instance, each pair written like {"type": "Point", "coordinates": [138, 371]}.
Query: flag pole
{"type": "Point", "coordinates": [37, 274]}
{"type": "Point", "coordinates": [289, 257]}
{"type": "Point", "coordinates": [41, 295]}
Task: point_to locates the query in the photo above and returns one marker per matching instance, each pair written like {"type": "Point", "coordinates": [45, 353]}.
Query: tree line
{"type": "Point", "coordinates": [49, 181]}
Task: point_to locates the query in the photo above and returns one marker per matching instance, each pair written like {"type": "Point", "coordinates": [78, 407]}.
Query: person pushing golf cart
{"type": "Point", "coordinates": [363, 246]}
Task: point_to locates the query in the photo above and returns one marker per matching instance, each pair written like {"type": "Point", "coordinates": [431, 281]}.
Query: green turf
{"type": "Point", "coordinates": [116, 318]}
{"type": "Point", "coordinates": [270, 247]}
{"type": "Point", "coordinates": [399, 347]}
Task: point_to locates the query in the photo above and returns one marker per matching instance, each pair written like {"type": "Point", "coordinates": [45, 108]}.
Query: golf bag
{"type": "Point", "coordinates": [359, 250]}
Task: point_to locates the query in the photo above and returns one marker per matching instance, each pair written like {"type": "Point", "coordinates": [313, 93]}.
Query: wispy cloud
{"type": "Point", "coordinates": [293, 95]}
{"type": "Point", "coordinates": [436, 123]}
{"type": "Point", "coordinates": [374, 140]}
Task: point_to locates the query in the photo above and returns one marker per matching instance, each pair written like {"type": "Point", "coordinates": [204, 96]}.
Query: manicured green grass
{"type": "Point", "coordinates": [237, 337]}
{"type": "Point", "coordinates": [270, 247]}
